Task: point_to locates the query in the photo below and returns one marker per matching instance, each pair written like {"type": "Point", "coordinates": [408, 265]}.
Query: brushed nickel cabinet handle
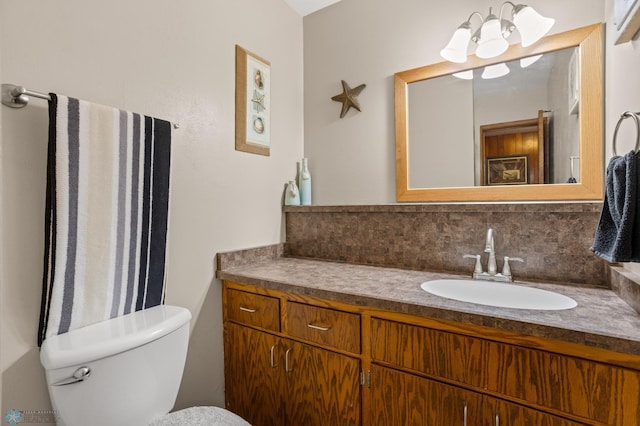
{"type": "Point", "coordinates": [497, 419]}
{"type": "Point", "coordinates": [272, 360]}
{"type": "Point", "coordinates": [251, 311]}
{"type": "Point", "coordinates": [286, 361]}
{"type": "Point", "coordinates": [465, 414]}
{"type": "Point", "coordinates": [318, 327]}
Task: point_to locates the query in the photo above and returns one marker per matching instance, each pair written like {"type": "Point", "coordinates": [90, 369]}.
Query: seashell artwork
{"type": "Point", "coordinates": [258, 125]}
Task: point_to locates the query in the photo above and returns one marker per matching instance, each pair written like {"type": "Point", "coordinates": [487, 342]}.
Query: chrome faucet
{"type": "Point", "coordinates": [492, 273]}
{"type": "Point", "coordinates": [492, 268]}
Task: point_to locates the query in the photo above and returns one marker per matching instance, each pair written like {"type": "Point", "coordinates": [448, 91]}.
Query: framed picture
{"type": "Point", "coordinates": [574, 83]}
{"type": "Point", "coordinates": [253, 103]}
{"type": "Point", "coordinates": [626, 20]}
{"type": "Point", "coordinates": [509, 170]}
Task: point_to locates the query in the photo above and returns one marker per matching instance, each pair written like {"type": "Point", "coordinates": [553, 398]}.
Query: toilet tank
{"type": "Point", "coordinates": [135, 361]}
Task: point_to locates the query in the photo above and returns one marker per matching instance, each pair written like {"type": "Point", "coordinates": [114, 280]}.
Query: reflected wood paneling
{"type": "Point", "coordinates": [522, 137]}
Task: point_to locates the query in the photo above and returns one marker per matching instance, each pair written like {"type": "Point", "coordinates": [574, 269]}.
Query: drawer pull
{"type": "Point", "coordinates": [318, 327]}
{"type": "Point", "coordinates": [251, 311]}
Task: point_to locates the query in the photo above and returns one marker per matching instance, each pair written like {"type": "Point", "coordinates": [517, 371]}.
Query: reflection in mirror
{"type": "Point", "coordinates": [462, 137]}
{"type": "Point", "coordinates": [528, 112]}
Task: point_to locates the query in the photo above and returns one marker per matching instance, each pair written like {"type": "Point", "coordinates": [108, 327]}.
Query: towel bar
{"type": "Point", "coordinates": [636, 118]}
{"type": "Point", "coordinates": [18, 97]}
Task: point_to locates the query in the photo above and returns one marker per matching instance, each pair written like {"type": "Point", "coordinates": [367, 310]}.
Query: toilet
{"type": "Point", "coordinates": [124, 371]}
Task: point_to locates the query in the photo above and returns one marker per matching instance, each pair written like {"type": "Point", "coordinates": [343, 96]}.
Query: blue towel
{"type": "Point", "coordinates": [617, 237]}
{"type": "Point", "coordinates": [106, 214]}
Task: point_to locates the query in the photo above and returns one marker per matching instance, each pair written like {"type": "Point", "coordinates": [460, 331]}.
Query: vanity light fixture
{"type": "Point", "coordinates": [491, 36]}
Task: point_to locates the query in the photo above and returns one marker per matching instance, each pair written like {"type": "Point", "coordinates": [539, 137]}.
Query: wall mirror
{"type": "Point", "coordinates": [535, 133]}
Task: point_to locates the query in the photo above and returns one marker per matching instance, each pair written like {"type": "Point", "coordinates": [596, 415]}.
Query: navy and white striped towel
{"type": "Point", "coordinates": [106, 214]}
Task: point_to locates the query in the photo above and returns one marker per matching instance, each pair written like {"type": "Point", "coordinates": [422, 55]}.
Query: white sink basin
{"type": "Point", "coordinates": [499, 294]}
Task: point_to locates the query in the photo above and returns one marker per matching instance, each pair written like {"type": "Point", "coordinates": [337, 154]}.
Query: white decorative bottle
{"type": "Point", "coordinates": [292, 195]}
{"type": "Point", "coordinates": [305, 184]}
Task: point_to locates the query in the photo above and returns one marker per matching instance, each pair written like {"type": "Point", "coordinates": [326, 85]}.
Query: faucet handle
{"type": "Point", "coordinates": [506, 269]}
{"type": "Point", "coordinates": [478, 267]}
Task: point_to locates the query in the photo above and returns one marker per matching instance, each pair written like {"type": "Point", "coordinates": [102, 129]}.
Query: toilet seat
{"type": "Point", "coordinates": [201, 416]}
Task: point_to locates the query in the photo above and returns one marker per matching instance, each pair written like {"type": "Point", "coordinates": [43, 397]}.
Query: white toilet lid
{"type": "Point", "coordinates": [111, 337]}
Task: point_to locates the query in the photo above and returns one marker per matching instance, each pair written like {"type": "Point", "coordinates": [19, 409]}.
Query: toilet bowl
{"type": "Point", "coordinates": [123, 371]}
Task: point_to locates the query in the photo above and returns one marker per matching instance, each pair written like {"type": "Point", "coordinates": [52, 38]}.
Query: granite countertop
{"type": "Point", "coordinates": [601, 318]}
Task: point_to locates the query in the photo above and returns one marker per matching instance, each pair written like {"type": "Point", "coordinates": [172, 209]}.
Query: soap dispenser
{"type": "Point", "coordinates": [292, 194]}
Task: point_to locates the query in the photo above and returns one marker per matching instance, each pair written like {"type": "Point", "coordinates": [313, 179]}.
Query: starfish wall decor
{"type": "Point", "coordinates": [348, 97]}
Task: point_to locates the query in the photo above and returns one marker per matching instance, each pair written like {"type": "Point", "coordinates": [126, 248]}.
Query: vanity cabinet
{"type": "Point", "coordinates": [292, 369]}
{"type": "Point", "coordinates": [296, 359]}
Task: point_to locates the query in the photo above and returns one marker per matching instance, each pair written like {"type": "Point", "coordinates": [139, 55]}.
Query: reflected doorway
{"type": "Point", "coordinates": [515, 152]}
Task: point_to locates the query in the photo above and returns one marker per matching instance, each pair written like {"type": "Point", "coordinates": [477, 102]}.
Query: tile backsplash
{"type": "Point", "coordinates": [553, 239]}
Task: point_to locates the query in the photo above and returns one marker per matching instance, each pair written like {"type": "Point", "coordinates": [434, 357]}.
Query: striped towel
{"type": "Point", "coordinates": [106, 214]}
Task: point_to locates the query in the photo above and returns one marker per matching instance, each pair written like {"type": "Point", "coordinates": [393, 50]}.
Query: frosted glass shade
{"type": "Point", "coordinates": [464, 75]}
{"type": "Point", "coordinates": [525, 62]}
{"type": "Point", "coordinates": [456, 50]}
{"type": "Point", "coordinates": [492, 43]}
{"type": "Point", "coordinates": [495, 71]}
{"type": "Point", "coordinates": [530, 24]}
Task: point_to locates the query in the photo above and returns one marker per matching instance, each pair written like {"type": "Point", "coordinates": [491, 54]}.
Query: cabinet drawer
{"type": "Point", "coordinates": [329, 327]}
{"type": "Point", "coordinates": [436, 353]}
{"type": "Point", "coordinates": [588, 389]}
{"type": "Point", "coordinates": [253, 309]}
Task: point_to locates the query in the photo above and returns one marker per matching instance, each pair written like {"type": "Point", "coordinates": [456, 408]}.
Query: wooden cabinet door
{"type": "Point", "coordinates": [399, 398]}
{"type": "Point", "coordinates": [253, 386]}
{"type": "Point", "coordinates": [585, 389]}
{"type": "Point", "coordinates": [323, 387]}
{"type": "Point", "coordinates": [503, 413]}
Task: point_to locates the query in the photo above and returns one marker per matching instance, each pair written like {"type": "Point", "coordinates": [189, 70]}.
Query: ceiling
{"type": "Point", "coordinates": [306, 7]}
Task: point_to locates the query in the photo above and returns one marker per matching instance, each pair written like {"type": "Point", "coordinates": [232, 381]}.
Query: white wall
{"type": "Point", "coordinates": [362, 41]}
{"type": "Point", "coordinates": [169, 59]}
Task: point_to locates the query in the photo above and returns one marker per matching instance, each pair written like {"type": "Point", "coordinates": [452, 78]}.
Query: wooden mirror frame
{"type": "Point", "coordinates": [591, 123]}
